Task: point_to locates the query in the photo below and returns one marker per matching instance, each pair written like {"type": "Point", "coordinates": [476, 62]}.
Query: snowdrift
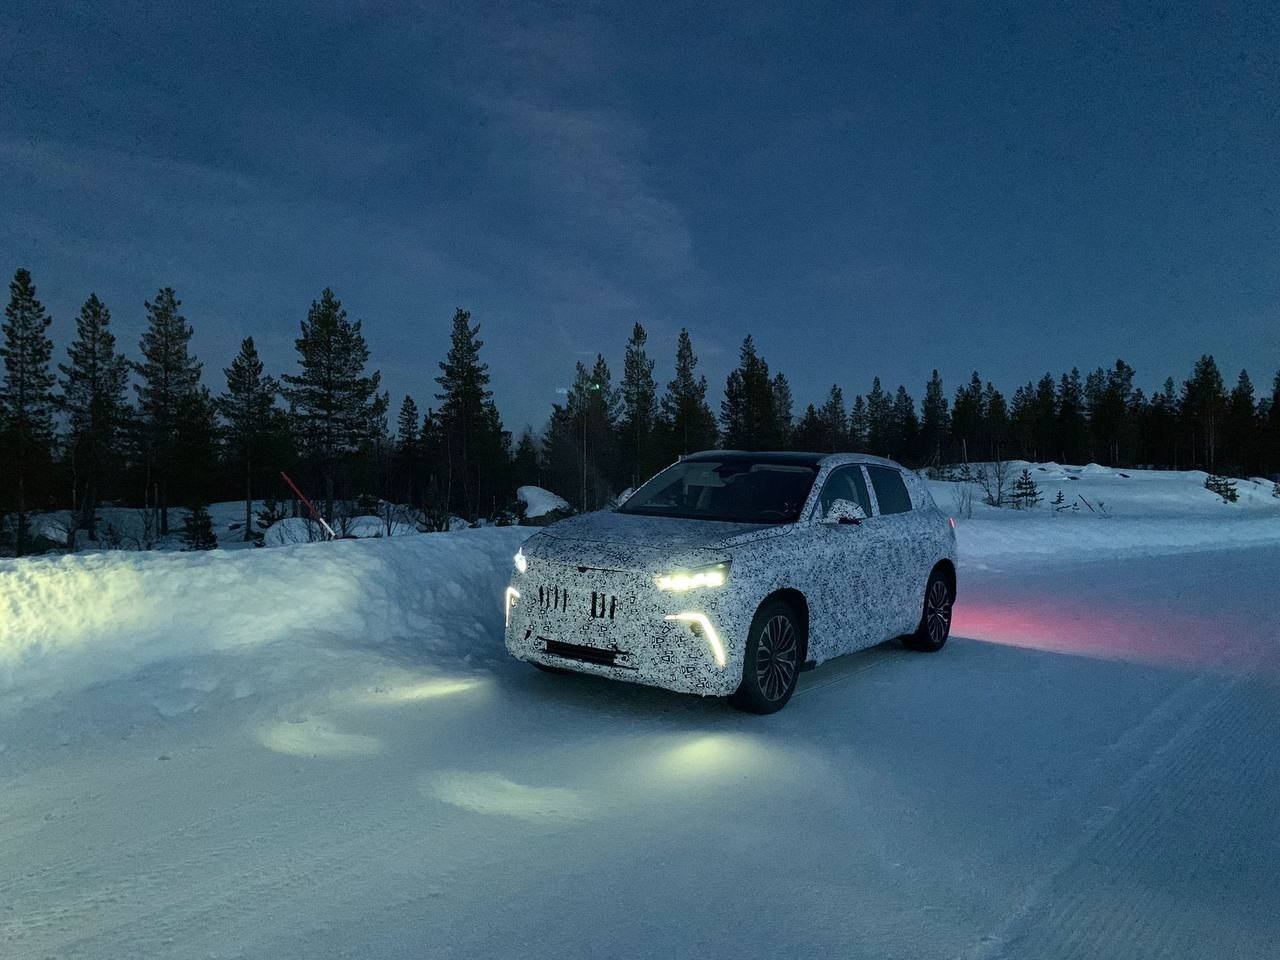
{"type": "Point", "coordinates": [72, 621]}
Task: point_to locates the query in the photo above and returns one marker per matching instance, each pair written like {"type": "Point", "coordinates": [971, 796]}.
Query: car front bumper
{"type": "Point", "coordinates": [618, 624]}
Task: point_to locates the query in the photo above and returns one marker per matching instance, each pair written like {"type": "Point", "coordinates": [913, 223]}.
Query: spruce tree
{"type": "Point", "coordinates": [905, 429]}
{"type": "Point", "coordinates": [337, 404]}
{"type": "Point", "coordinates": [1072, 429]}
{"type": "Point", "coordinates": [812, 432]}
{"type": "Point", "coordinates": [246, 407]}
{"type": "Point", "coordinates": [858, 426]}
{"type": "Point", "coordinates": [879, 420]}
{"type": "Point", "coordinates": [782, 413]}
{"type": "Point", "coordinates": [1026, 494]}
{"type": "Point", "coordinates": [26, 401]}
{"type": "Point", "coordinates": [935, 422]}
{"type": "Point", "coordinates": [835, 423]}
{"type": "Point", "coordinates": [995, 422]}
{"type": "Point", "coordinates": [93, 398]}
{"type": "Point", "coordinates": [1022, 422]}
{"type": "Point", "coordinates": [1242, 426]}
{"type": "Point", "coordinates": [967, 416]}
{"type": "Point", "coordinates": [408, 452]}
{"type": "Point", "coordinates": [476, 444]}
{"type": "Point", "coordinates": [639, 411]}
{"type": "Point", "coordinates": [169, 377]}
{"type": "Point", "coordinates": [1273, 426]}
{"type": "Point", "coordinates": [686, 422]}
{"type": "Point", "coordinates": [526, 468]}
{"type": "Point", "coordinates": [1201, 409]}
{"type": "Point", "coordinates": [197, 530]}
{"type": "Point", "coordinates": [749, 416]}
{"type": "Point", "coordinates": [1046, 419]}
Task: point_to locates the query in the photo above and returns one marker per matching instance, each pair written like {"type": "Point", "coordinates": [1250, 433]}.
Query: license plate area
{"type": "Point", "coordinates": [583, 653]}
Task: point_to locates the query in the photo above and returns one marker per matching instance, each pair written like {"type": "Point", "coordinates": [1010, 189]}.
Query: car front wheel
{"type": "Point", "coordinates": [775, 645]}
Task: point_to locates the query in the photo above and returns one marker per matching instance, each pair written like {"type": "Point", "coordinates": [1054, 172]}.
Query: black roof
{"type": "Point", "coordinates": [761, 456]}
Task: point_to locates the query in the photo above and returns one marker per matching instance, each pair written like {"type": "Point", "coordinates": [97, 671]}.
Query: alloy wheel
{"type": "Point", "coordinates": [776, 653]}
{"type": "Point", "coordinates": [937, 612]}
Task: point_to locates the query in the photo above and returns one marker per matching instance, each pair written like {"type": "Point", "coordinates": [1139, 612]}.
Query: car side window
{"type": "Point", "coordinates": [891, 492]}
{"type": "Point", "coordinates": [845, 483]}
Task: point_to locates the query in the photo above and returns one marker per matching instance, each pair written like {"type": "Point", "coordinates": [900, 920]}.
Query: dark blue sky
{"type": "Point", "coordinates": [870, 190]}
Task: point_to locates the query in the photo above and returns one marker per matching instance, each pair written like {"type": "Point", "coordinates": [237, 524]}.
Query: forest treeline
{"type": "Point", "coordinates": [95, 424]}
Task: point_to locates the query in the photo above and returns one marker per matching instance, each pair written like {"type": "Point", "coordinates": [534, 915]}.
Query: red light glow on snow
{"type": "Point", "coordinates": [1115, 631]}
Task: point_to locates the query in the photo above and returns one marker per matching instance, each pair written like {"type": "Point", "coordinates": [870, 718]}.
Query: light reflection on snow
{"type": "Point", "coordinates": [492, 793]}
{"type": "Point", "coordinates": [411, 692]}
{"type": "Point", "coordinates": [316, 738]}
{"type": "Point", "coordinates": [1110, 630]}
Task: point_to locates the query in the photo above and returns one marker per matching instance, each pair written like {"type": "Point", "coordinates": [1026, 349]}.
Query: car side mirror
{"type": "Point", "coordinates": [844, 511]}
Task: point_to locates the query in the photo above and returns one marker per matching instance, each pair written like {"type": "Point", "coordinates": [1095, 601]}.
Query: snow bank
{"type": "Point", "coordinates": [71, 621]}
{"type": "Point", "coordinates": [539, 502]}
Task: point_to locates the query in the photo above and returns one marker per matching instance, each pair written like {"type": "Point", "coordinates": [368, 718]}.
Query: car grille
{"type": "Point", "coordinates": [604, 606]}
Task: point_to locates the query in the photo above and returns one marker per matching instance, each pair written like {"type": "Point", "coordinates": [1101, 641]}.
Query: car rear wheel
{"type": "Point", "coordinates": [935, 621]}
{"type": "Point", "coordinates": [775, 647]}
{"type": "Point", "coordinates": [547, 668]}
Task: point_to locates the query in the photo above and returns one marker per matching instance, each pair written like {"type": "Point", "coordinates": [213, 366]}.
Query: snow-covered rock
{"type": "Point", "coordinates": [539, 502]}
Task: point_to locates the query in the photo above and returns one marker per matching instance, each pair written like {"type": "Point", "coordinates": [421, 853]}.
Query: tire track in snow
{"type": "Point", "coordinates": [1088, 902]}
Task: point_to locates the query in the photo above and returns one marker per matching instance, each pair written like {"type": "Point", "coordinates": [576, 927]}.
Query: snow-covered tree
{"type": "Point", "coordinates": [1026, 493]}
{"type": "Point", "coordinates": [26, 401]}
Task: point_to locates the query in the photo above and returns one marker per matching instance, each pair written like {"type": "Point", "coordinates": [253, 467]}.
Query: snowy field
{"type": "Point", "coordinates": [323, 750]}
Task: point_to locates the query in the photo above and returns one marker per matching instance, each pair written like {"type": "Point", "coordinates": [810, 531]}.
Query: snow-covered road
{"type": "Point", "coordinates": [1089, 769]}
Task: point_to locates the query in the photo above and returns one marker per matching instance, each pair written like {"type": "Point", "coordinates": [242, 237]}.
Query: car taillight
{"type": "Point", "coordinates": [952, 521]}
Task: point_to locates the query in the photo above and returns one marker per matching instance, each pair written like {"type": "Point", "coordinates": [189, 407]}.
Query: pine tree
{"type": "Point", "coordinates": [26, 399]}
{"type": "Point", "coordinates": [1022, 422]}
{"type": "Point", "coordinates": [525, 464]}
{"type": "Point", "coordinates": [197, 530]}
{"type": "Point", "coordinates": [812, 432]}
{"type": "Point", "coordinates": [935, 423]}
{"type": "Point", "coordinates": [1059, 503]}
{"type": "Point", "coordinates": [782, 415]}
{"type": "Point", "coordinates": [905, 429]}
{"type": "Point", "coordinates": [580, 438]}
{"type": "Point", "coordinates": [835, 423]}
{"type": "Point", "coordinates": [1223, 487]}
{"type": "Point", "coordinates": [1072, 428]}
{"type": "Point", "coordinates": [93, 398]}
{"type": "Point", "coordinates": [1026, 494]}
{"type": "Point", "coordinates": [1273, 426]}
{"type": "Point", "coordinates": [995, 423]}
{"type": "Point", "coordinates": [476, 444]}
{"type": "Point", "coordinates": [639, 411]}
{"type": "Point", "coordinates": [1201, 409]}
{"type": "Point", "coordinates": [686, 422]}
{"type": "Point", "coordinates": [748, 414]}
{"type": "Point", "coordinates": [408, 451]}
{"type": "Point", "coordinates": [1046, 420]}
{"type": "Point", "coordinates": [246, 408]}
{"type": "Point", "coordinates": [337, 404]}
{"type": "Point", "coordinates": [1242, 427]}
{"type": "Point", "coordinates": [858, 427]}
{"type": "Point", "coordinates": [967, 416]}
{"type": "Point", "coordinates": [879, 420]}
{"type": "Point", "coordinates": [169, 376]}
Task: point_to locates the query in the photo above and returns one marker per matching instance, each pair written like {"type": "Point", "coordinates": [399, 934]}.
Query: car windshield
{"type": "Point", "coordinates": [736, 490]}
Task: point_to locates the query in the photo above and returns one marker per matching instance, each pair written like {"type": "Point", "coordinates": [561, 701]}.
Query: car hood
{"type": "Point", "coordinates": [632, 542]}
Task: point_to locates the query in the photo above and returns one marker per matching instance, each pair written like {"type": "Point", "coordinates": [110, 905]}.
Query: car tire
{"type": "Point", "coordinates": [935, 620]}
{"type": "Point", "coordinates": [774, 656]}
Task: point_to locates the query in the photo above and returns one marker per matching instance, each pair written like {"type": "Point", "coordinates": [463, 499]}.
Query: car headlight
{"type": "Point", "coordinates": [678, 581]}
{"type": "Point", "coordinates": [521, 563]}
